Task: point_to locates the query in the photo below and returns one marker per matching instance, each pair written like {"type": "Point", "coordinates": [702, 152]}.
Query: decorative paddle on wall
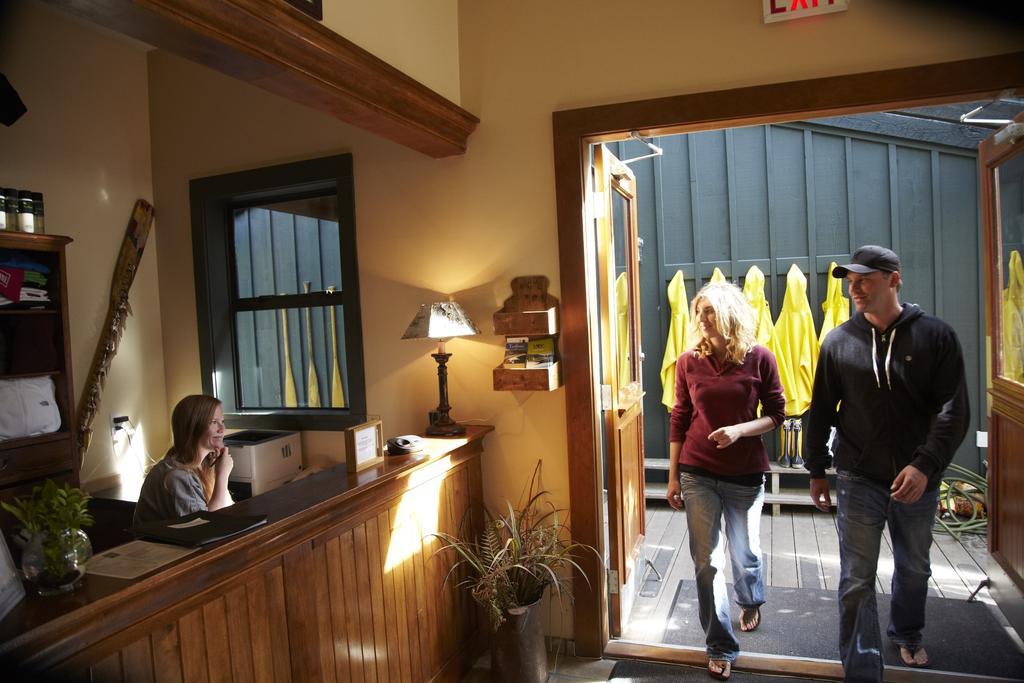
{"type": "Point", "coordinates": [290, 397]}
{"type": "Point", "coordinates": [117, 316]}
{"type": "Point", "coordinates": [337, 388]}
{"type": "Point", "coordinates": [312, 385]}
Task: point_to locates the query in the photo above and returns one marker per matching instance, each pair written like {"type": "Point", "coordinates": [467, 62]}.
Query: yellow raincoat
{"type": "Point", "coordinates": [753, 290]}
{"type": "Point", "coordinates": [622, 328]}
{"type": "Point", "coordinates": [797, 344]}
{"type": "Point", "coordinates": [836, 307]}
{"type": "Point", "coordinates": [1013, 320]}
{"type": "Point", "coordinates": [681, 336]}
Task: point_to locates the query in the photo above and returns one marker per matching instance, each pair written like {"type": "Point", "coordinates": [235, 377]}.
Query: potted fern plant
{"type": "Point", "coordinates": [57, 550]}
{"type": "Point", "coordinates": [507, 567]}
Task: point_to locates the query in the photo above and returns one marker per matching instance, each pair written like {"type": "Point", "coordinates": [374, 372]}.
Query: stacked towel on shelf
{"type": "Point", "coordinates": [22, 280]}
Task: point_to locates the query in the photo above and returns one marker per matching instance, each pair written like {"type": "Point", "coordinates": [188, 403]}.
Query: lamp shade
{"type": "Point", "coordinates": [442, 320]}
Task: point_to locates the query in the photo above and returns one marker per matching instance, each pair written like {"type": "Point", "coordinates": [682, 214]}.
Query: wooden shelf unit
{"type": "Point", "coordinates": [530, 312]}
{"type": "Point", "coordinates": [27, 462]}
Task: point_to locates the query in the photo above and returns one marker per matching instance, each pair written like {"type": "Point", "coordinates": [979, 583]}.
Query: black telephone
{"type": "Point", "coordinates": [401, 445]}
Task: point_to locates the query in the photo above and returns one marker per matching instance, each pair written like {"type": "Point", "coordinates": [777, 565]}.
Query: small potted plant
{"type": "Point", "coordinates": [507, 567]}
{"type": "Point", "coordinates": [57, 550]}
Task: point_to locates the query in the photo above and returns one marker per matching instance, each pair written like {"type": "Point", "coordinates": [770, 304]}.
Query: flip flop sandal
{"type": "Point", "coordinates": [751, 616]}
{"type": "Point", "coordinates": [916, 658]}
{"type": "Point", "coordinates": [725, 672]}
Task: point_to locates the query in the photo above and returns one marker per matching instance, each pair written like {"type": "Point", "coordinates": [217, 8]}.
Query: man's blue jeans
{"type": "Point", "coordinates": [864, 508]}
{"type": "Point", "coordinates": [706, 499]}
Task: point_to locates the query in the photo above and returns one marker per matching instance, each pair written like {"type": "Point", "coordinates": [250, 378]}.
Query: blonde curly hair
{"type": "Point", "coordinates": [734, 319]}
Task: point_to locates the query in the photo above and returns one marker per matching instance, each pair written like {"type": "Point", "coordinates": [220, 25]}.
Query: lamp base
{"type": "Point", "coordinates": [442, 425]}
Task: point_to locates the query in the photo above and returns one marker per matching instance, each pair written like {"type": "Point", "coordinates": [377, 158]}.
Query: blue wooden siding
{"type": "Point", "coordinates": [276, 253]}
{"type": "Point", "coordinates": [808, 194]}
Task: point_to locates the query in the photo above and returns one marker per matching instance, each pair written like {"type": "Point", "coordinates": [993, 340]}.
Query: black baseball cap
{"type": "Point", "coordinates": [870, 258]}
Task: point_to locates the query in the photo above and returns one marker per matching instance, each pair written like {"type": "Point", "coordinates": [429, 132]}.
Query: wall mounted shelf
{"type": "Point", "coordinates": [533, 313]}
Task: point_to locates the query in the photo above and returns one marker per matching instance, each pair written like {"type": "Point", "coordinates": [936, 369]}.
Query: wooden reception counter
{"type": "Point", "coordinates": [341, 584]}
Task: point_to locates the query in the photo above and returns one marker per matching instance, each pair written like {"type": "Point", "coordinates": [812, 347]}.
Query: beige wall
{"type": "Point", "coordinates": [418, 38]}
{"type": "Point", "coordinates": [84, 143]}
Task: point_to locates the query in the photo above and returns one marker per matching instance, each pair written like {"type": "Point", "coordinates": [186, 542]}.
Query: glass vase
{"type": "Point", "coordinates": [55, 563]}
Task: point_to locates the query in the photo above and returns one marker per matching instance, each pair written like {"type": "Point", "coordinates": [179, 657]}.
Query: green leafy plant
{"type": "Point", "coordinates": [54, 515]}
{"type": "Point", "coordinates": [516, 556]}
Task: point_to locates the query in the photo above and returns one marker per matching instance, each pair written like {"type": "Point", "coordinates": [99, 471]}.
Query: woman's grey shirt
{"type": "Point", "coordinates": [168, 492]}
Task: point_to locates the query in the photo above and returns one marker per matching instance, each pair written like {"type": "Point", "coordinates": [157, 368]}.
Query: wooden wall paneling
{"type": "Point", "coordinates": [301, 611]}
{"type": "Point", "coordinates": [390, 612]}
{"type": "Point", "coordinates": [324, 624]}
{"type": "Point", "coordinates": [276, 614]}
{"type": "Point", "coordinates": [108, 668]}
{"type": "Point", "coordinates": [365, 603]}
{"type": "Point", "coordinates": [463, 611]}
{"type": "Point", "coordinates": [425, 613]}
{"type": "Point", "coordinates": [1008, 545]}
{"type": "Point", "coordinates": [411, 605]}
{"type": "Point", "coordinates": [336, 595]}
{"type": "Point", "coordinates": [445, 596]}
{"type": "Point", "coordinates": [441, 591]}
{"type": "Point", "coordinates": [193, 647]}
{"type": "Point", "coordinates": [459, 502]}
{"type": "Point", "coordinates": [373, 566]}
{"type": "Point", "coordinates": [218, 651]}
{"type": "Point", "coordinates": [351, 589]}
{"type": "Point", "coordinates": [259, 629]}
{"type": "Point", "coordinates": [399, 615]}
{"type": "Point", "coordinates": [239, 640]}
{"type": "Point", "coordinates": [137, 660]}
{"type": "Point", "coordinates": [167, 653]}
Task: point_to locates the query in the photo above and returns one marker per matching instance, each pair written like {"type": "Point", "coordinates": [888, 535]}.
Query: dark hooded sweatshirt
{"type": "Point", "coordinates": [897, 397]}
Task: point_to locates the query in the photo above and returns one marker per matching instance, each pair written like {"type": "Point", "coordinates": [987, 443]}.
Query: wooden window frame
{"type": "Point", "coordinates": [213, 200]}
{"type": "Point", "coordinates": [574, 130]}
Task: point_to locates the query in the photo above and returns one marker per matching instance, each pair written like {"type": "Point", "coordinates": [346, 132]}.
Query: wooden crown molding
{"type": "Point", "coordinates": [274, 46]}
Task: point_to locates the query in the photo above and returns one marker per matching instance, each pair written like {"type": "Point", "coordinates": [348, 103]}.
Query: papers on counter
{"type": "Point", "coordinates": [132, 560]}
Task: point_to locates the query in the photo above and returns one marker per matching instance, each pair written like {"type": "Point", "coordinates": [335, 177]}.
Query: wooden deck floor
{"type": "Point", "coordinates": [801, 549]}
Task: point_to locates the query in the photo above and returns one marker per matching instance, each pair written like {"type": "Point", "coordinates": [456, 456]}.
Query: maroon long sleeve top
{"type": "Point", "coordinates": [711, 395]}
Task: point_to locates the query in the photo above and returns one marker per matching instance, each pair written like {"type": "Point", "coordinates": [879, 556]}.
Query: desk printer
{"type": "Point", "coordinates": [263, 460]}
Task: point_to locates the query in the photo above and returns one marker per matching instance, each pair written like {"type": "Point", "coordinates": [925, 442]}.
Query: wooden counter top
{"type": "Point", "coordinates": [42, 633]}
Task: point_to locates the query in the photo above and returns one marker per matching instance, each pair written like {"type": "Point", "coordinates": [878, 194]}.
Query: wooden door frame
{"type": "Point", "coordinates": [1006, 397]}
{"type": "Point", "coordinates": [575, 129]}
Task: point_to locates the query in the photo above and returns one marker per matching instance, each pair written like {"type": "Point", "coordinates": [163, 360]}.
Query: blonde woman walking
{"type": "Point", "coordinates": [717, 461]}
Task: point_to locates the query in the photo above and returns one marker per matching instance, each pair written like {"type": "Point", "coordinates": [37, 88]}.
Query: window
{"type": "Point", "coordinates": [277, 295]}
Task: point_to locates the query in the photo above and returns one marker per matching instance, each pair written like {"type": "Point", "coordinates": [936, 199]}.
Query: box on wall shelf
{"type": "Point", "coordinates": [519, 379]}
{"type": "Point", "coordinates": [526, 323]}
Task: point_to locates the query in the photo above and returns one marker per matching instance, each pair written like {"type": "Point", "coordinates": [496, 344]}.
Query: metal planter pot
{"type": "Point", "coordinates": [517, 649]}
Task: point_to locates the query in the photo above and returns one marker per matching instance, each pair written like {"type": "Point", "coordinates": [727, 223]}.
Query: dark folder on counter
{"type": "Point", "coordinates": [198, 528]}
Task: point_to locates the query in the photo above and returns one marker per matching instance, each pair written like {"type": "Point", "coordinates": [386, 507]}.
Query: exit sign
{"type": "Point", "coordinates": [784, 10]}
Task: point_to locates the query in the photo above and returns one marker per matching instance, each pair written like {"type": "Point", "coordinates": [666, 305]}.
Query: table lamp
{"type": "Point", "coordinates": [441, 321]}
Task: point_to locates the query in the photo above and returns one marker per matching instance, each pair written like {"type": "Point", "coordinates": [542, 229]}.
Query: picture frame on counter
{"type": "Point", "coordinates": [364, 445]}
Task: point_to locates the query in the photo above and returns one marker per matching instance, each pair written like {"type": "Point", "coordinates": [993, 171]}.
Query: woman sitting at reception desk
{"type": "Point", "coordinates": [193, 476]}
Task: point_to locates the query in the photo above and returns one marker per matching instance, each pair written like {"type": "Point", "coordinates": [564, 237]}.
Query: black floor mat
{"type": "Point", "coordinates": [959, 636]}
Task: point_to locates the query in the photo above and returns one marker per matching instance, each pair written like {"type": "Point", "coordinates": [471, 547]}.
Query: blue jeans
{"type": "Point", "coordinates": [706, 499]}
{"type": "Point", "coordinates": [864, 508]}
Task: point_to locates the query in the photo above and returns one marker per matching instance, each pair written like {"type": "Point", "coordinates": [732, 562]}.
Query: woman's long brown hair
{"type": "Point", "coordinates": [189, 422]}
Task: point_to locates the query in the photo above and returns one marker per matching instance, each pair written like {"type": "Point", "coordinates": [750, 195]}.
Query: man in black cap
{"type": "Point", "coordinates": [891, 381]}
